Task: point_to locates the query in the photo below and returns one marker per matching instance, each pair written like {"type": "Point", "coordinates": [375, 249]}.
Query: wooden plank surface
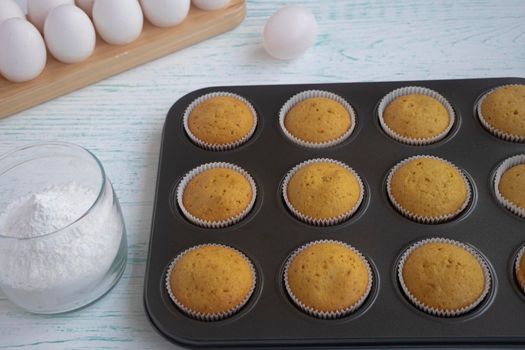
{"type": "Point", "coordinates": [120, 119]}
{"type": "Point", "coordinates": [107, 60]}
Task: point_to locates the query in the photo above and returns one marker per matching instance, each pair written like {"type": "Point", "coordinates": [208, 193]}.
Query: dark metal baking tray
{"type": "Point", "coordinates": [270, 233]}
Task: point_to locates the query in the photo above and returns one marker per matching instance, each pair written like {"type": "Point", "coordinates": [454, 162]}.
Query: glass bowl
{"type": "Point", "coordinates": [47, 269]}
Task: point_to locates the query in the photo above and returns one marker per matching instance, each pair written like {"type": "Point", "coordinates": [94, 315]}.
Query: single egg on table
{"type": "Point", "coordinates": [22, 50]}
{"type": "Point", "coordinates": [69, 34]}
{"type": "Point", "coordinates": [37, 10]}
{"type": "Point", "coordinates": [118, 22]}
{"type": "Point", "coordinates": [165, 13]}
{"type": "Point", "coordinates": [86, 6]}
{"type": "Point", "coordinates": [289, 32]}
{"type": "Point", "coordinates": [10, 9]}
{"type": "Point", "coordinates": [210, 5]}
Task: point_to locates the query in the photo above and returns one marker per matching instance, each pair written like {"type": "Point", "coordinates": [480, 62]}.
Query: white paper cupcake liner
{"type": "Point", "coordinates": [432, 310]}
{"type": "Point", "coordinates": [420, 218]}
{"type": "Point", "coordinates": [200, 169]}
{"type": "Point", "coordinates": [217, 147]}
{"type": "Point", "coordinates": [415, 90]}
{"type": "Point", "coordinates": [315, 221]}
{"type": "Point", "coordinates": [328, 314]}
{"type": "Point", "coordinates": [312, 94]}
{"type": "Point", "coordinates": [502, 168]}
{"type": "Point", "coordinates": [208, 316]}
{"type": "Point", "coordinates": [517, 267]}
{"type": "Point", "coordinates": [496, 132]}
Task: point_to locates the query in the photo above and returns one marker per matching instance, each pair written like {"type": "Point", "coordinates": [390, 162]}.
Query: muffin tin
{"type": "Point", "coordinates": [270, 233]}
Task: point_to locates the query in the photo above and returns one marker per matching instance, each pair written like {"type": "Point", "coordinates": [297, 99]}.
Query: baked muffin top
{"type": "Point", "coordinates": [217, 194]}
{"type": "Point", "coordinates": [444, 276]}
{"type": "Point", "coordinates": [512, 185]}
{"type": "Point", "coordinates": [211, 279]}
{"type": "Point", "coordinates": [323, 190]}
{"type": "Point", "coordinates": [504, 109]}
{"type": "Point", "coordinates": [221, 120]}
{"type": "Point", "coordinates": [429, 187]}
{"type": "Point", "coordinates": [416, 116]}
{"type": "Point", "coordinates": [328, 276]}
{"type": "Point", "coordinates": [520, 272]}
{"type": "Point", "coordinates": [318, 120]}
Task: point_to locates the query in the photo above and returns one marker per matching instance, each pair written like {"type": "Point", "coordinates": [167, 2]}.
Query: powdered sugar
{"type": "Point", "coordinates": [46, 211]}
{"type": "Point", "coordinates": [53, 268]}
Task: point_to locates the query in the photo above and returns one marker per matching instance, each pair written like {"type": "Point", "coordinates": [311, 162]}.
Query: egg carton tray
{"type": "Point", "coordinates": [270, 232]}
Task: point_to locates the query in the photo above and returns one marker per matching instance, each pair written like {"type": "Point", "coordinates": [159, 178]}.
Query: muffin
{"type": "Point", "coordinates": [323, 191]}
{"type": "Point", "coordinates": [220, 121]}
{"type": "Point", "coordinates": [428, 189]}
{"type": "Point", "coordinates": [510, 184]}
{"type": "Point", "coordinates": [502, 112]}
{"type": "Point", "coordinates": [317, 119]}
{"type": "Point", "coordinates": [216, 194]}
{"type": "Point", "coordinates": [416, 115]}
{"type": "Point", "coordinates": [519, 269]}
{"type": "Point", "coordinates": [443, 277]}
{"type": "Point", "coordinates": [210, 281]}
{"type": "Point", "coordinates": [327, 278]}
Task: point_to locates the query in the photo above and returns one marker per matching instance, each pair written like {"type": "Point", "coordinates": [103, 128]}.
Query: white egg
{"type": "Point", "coordinates": [37, 10]}
{"type": "Point", "coordinates": [86, 5]}
{"type": "Point", "coordinates": [118, 22]}
{"type": "Point", "coordinates": [69, 33]}
{"type": "Point", "coordinates": [10, 9]}
{"type": "Point", "coordinates": [165, 13]}
{"type": "Point", "coordinates": [289, 32]}
{"type": "Point", "coordinates": [22, 50]}
{"type": "Point", "coordinates": [210, 5]}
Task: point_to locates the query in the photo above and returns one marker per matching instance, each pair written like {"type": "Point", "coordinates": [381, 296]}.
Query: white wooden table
{"type": "Point", "coordinates": [120, 119]}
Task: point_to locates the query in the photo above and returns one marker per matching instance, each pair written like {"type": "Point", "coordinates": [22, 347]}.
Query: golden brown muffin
{"type": "Point", "coordinates": [323, 190]}
{"type": "Point", "coordinates": [512, 185]}
{"type": "Point", "coordinates": [504, 109]}
{"type": "Point", "coordinates": [318, 120]}
{"type": "Point", "coordinates": [328, 276]}
{"type": "Point", "coordinates": [221, 120]}
{"type": "Point", "coordinates": [520, 272]}
{"type": "Point", "coordinates": [211, 279]}
{"type": "Point", "coordinates": [217, 194]}
{"type": "Point", "coordinates": [444, 276]}
{"type": "Point", "coordinates": [429, 187]}
{"type": "Point", "coordinates": [416, 116]}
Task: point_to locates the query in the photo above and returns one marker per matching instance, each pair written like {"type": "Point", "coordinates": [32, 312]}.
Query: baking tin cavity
{"type": "Point", "coordinates": [491, 129]}
{"type": "Point", "coordinates": [324, 221]}
{"type": "Point", "coordinates": [439, 312]}
{"type": "Point", "coordinates": [502, 168]}
{"type": "Point", "coordinates": [199, 170]}
{"type": "Point", "coordinates": [211, 146]}
{"type": "Point", "coordinates": [328, 314]}
{"type": "Point", "coordinates": [209, 316]}
{"type": "Point", "coordinates": [428, 219]}
{"type": "Point", "coordinates": [390, 97]}
{"type": "Point", "coordinates": [294, 100]}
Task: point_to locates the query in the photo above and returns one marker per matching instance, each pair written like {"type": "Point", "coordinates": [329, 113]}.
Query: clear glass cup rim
{"type": "Point", "coordinates": [67, 145]}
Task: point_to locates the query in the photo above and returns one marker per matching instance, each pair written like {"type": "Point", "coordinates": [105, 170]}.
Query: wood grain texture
{"type": "Point", "coordinates": [120, 119]}
{"type": "Point", "coordinates": [107, 60]}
